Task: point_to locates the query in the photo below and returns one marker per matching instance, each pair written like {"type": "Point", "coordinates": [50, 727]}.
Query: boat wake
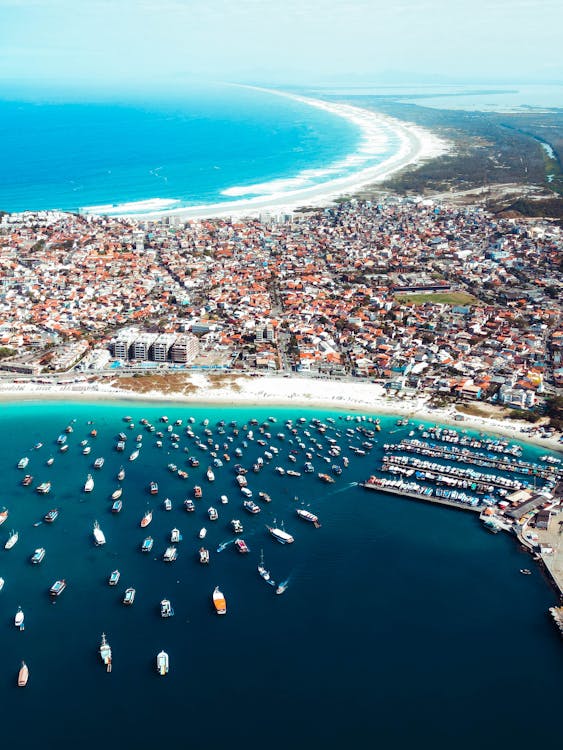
{"type": "Point", "coordinates": [224, 545]}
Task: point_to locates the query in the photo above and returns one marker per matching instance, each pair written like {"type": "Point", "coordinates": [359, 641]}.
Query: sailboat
{"type": "Point", "coordinates": [265, 574]}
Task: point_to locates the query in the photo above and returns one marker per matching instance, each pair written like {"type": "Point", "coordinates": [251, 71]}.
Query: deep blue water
{"type": "Point", "coordinates": [71, 155]}
{"type": "Point", "coordinates": [402, 623]}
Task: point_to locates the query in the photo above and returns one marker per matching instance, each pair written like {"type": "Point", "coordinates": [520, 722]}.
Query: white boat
{"type": "Point", "coordinates": [99, 462]}
{"type": "Point", "coordinates": [219, 602]}
{"type": "Point", "coordinates": [265, 574]}
{"type": "Point", "coordinates": [89, 483]}
{"type": "Point", "coordinates": [203, 555]}
{"type": "Point", "coordinates": [99, 536]}
{"type": "Point", "coordinates": [224, 499]}
{"type": "Point", "coordinates": [86, 450]}
{"type": "Point", "coordinates": [19, 619]}
{"type": "Point", "coordinates": [105, 653]}
{"type": "Point", "coordinates": [212, 513]}
{"type": "Point", "coordinates": [202, 533]}
{"type": "Point", "coordinates": [12, 539]}
{"type": "Point", "coordinates": [38, 555]}
{"type": "Point", "coordinates": [308, 516]}
{"type": "Point", "coordinates": [129, 597]}
{"type": "Point", "coordinates": [3, 515]}
{"type": "Point", "coordinates": [116, 494]}
{"type": "Point", "coordinates": [246, 491]}
{"type": "Point", "coordinates": [175, 536]}
{"type": "Point", "coordinates": [162, 663]}
{"type": "Point", "coordinates": [170, 554]}
{"type": "Point", "coordinates": [167, 504]}
{"type": "Point", "coordinates": [280, 535]}
{"type": "Point", "coordinates": [1, 583]}
{"type": "Point", "coordinates": [210, 475]}
{"type": "Point", "coordinates": [121, 474]}
{"type": "Point", "coordinates": [23, 462]}
{"type": "Point", "coordinates": [134, 456]}
{"type": "Point", "coordinates": [166, 608]}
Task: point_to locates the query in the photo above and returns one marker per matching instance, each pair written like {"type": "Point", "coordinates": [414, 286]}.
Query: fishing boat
{"type": "Point", "coordinates": [23, 462]}
{"type": "Point", "coordinates": [153, 488]}
{"type": "Point", "coordinates": [89, 483]}
{"type": "Point", "coordinates": [27, 480]}
{"type": "Point", "coordinates": [162, 663]}
{"type": "Point", "coordinates": [280, 535]}
{"type": "Point", "coordinates": [121, 474]}
{"type": "Point", "coordinates": [175, 536]}
{"type": "Point", "coordinates": [167, 504]}
{"type": "Point", "coordinates": [98, 463]}
{"type": "Point", "coordinates": [3, 515]}
{"type": "Point", "coordinates": [134, 456]}
{"type": "Point", "coordinates": [129, 596]}
{"type": "Point", "coordinates": [308, 516]}
{"type": "Point", "coordinates": [23, 675]}
{"type": "Point", "coordinates": [250, 506]}
{"type": "Point", "coordinates": [51, 516]}
{"type": "Point", "coordinates": [265, 574]}
{"type": "Point", "coordinates": [38, 555]}
{"type": "Point", "coordinates": [58, 587]}
{"type": "Point", "coordinates": [170, 554]}
{"type": "Point", "coordinates": [203, 555]}
{"type": "Point", "coordinates": [189, 505]}
{"type": "Point", "coordinates": [212, 513]}
{"type": "Point", "coordinates": [147, 544]}
{"type": "Point", "coordinates": [116, 507]}
{"type": "Point", "coordinates": [105, 653]}
{"type": "Point", "coordinates": [166, 608]}
{"type": "Point", "coordinates": [12, 539]}
{"type": "Point", "coordinates": [116, 494]}
{"type": "Point", "coordinates": [44, 488]}
{"type": "Point", "coordinates": [219, 602]}
{"type": "Point", "coordinates": [236, 526]}
{"type": "Point", "coordinates": [99, 536]}
{"type": "Point", "coordinates": [198, 492]}
{"type": "Point", "coordinates": [241, 546]}
{"type": "Point", "coordinates": [146, 519]}
{"type": "Point", "coordinates": [113, 580]}
{"type": "Point", "coordinates": [19, 619]}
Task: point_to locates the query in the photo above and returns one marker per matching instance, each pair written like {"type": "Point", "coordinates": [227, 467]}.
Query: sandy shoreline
{"type": "Point", "coordinates": [416, 144]}
{"type": "Point", "coordinates": [367, 398]}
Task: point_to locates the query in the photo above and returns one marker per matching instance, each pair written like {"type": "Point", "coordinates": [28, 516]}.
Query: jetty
{"type": "Point", "coordinates": [557, 614]}
{"type": "Point", "coordinates": [406, 489]}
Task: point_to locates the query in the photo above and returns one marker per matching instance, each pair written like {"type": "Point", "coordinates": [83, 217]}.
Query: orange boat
{"type": "Point", "coordinates": [93, 433]}
{"type": "Point", "coordinates": [3, 515]}
{"type": "Point", "coordinates": [23, 675]}
{"type": "Point", "coordinates": [219, 602]}
{"type": "Point", "coordinates": [146, 519]}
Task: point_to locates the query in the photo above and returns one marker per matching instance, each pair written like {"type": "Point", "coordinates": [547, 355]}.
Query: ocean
{"type": "Point", "coordinates": [402, 623]}
{"type": "Point", "coordinates": [208, 146]}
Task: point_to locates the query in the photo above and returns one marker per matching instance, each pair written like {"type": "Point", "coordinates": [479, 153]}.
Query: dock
{"type": "Point", "coordinates": [557, 614]}
{"type": "Point", "coordinates": [424, 498]}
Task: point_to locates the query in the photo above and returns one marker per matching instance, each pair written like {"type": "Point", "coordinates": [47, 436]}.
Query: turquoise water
{"type": "Point", "coordinates": [402, 623]}
{"type": "Point", "coordinates": [201, 148]}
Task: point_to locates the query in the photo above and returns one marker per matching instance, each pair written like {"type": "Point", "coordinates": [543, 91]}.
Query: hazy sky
{"type": "Point", "coordinates": [113, 42]}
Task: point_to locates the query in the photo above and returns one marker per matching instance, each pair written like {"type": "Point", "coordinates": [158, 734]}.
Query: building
{"type": "Point", "coordinates": [142, 346]}
{"type": "Point", "coordinates": [161, 347]}
{"type": "Point", "coordinates": [184, 349]}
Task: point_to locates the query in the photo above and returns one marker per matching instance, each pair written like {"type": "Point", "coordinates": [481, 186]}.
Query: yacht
{"type": "Point", "coordinates": [162, 663]}
{"type": "Point", "coordinates": [121, 474]}
{"type": "Point", "coordinates": [240, 544]}
{"type": "Point", "coordinates": [146, 519]}
{"type": "Point", "coordinates": [99, 537]}
{"type": "Point", "coordinates": [86, 450]}
{"type": "Point", "coordinates": [219, 602]}
{"type": "Point", "coordinates": [189, 505]}
{"type": "Point", "coordinates": [89, 484]}
{"type": "Point", "coordinates": [105, 653]}
{"type": "Point", "coordinates": [167, 504]}
{"type": "Point", "coordinates": [98, 463]}
{"type": "Point", "coordinates": [175, 536]}
{"type": "Point", "coordinates": [38, 555]}
{"type": "Point", "coordinates": [12, 539]}
{"type": "Point", "coordinates": [117, 505]}
{"type": "Point", "coordinates": [203, 555]}
{"type": "Point", "coordinates": [116, 494]}
{"type": "Point", "coordinates": [44, 488]}
{"type": "Point", "coordinates": [202, 533]}
{"type": "Point", "coordinates": [153, 488]}
{"type": "Point", "coordinates": [3, 515]}
{"type": "Point", "coordinates": [246, 491]}
{"type": "Point", "coordinates": [236, 526]}
{"type": "Point", "coordinates": [61, 440]}
{"type": "Point", "coordinates": [250, 506]}
{"type": "Point", "coordinates": [210, 475]}
{"type": "Point", "coordinates": [23, 675]}
{"type": "Point", "coordinates": [114, 578]}
{"type": "Point", "coordinates": [129, 596]}
{"type": "Point", "coordinates": [308, 516]}
{"type": "Point", "coordinates": [120, 446]}
{"type": "Point", "coordinates": [197, 492]}
{"type": "Point", "coordinates": [27, 480]}
{"type": "Point", "coordinates": [57, 588]}
{"type": "Point", "coordinates": [147, 544]}
{"type": "Point", "coordinates": [170, 554]}
{"type": "Point", "coordinates": [166, 608]}
{"type": "Point", "coordinates": [51, 516]}
{"type": "Point", "coordinates": [19, 619]}
{"type": "Point", "coordinates": [134, 456]}
{"type": "Point", "coordinates": [265, 574]}
{"type": "Point", "coordinates": [280, 535]}
{"type": "Point", "coordinates": [23, 462]}
{"type": "Point", "coordinates": [212, 513]}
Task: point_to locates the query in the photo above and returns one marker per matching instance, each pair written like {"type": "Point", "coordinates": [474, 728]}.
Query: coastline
{"type": "Point", "coordinates": [416, 145]}
{"type": "Point", "coordinates": [239, 391]}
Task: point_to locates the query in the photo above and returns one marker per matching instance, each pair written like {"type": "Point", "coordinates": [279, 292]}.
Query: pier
{"type": "Point", "coordinates": [409, 494]}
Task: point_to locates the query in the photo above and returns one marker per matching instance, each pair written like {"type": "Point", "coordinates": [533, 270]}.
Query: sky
{"type": "Point", "coordinates": [109, 44]}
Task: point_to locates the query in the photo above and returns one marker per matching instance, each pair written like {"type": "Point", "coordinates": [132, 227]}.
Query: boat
{"type": "Point", "coordinates": [210, 475]}
{"type": "Point", "coordinates": [134, 456]}
{"type": "Point", "coordinates": [99, 536]}
{"type": "Point", "coordinates": [212, 513]}
{"type": "Point", "coordinates": [281, 587]}
{"type": "Point", "coordinates": [86, 450]}
{"type": "Point", "coordinates": [219, 602]}
{"type": "Point", "coordinates": [308, 516]}
{"type": "Point", "coordinates": [224, 499]}
{"type": "Point", "coordinates": [162, 663]}
{"type": "Point", "coordinates": [116, 494]}
{"type": "Point", "coordinates": [175, 536]}
{"type": "Point", "coordinates": [37, 446]}
{"type": "Point", "coordinates": [113, 580]}
{"type": "Point", "coordinates": [120, 446]}
{"type": "Point", "coordinates": [98, 463]}
{"type": "Point", "coordinates": [23, 462]}
{"type": "Point", "coordinates": [202, 533]}
{"type": "Point", "coordinates": [153, 488]}
{"type": "Point", "coordinates": [147, 544]}
{"type": "Point", "coordinates": [166, 608]}
{"type": "Point", "coordinates": [280, 535]}
{"type": "Point", "coordinates": [203, 555]}
{"type": "Point", "coordinates": [326, 478]}
{"type": "Point", "coordinates": [129, 596]}
{"type": "Point", "coordinates": [50, 461]}
{"type": "Point", "coordinates": [170, 554]}
{"type": "Point", "coordinates": [58, 587]}
{"type": "Point", "coordinates": [27, 480]}
{"type": "Point", "coordinates": [146, 519]}
{"type": "Point", "coordinates": [189, 505]}
{"type": "Point", "coordinates": [241, 546]}
{"type": "Point", "coordinates": [167, 504]}
{"type": "Point", "coordinates": [264, 497]}
{"type": "Point", "coordinates": [23, 675]}
{"type": "Point", "coordinates": [250, 506]}
{"type": "Point", "coordinates": [105, 653]}
{"type": "Point", "coordinates": [38, 555]}
{"type": "Point", "coordinates": [51, 516]}
{"type": "Point", "coordinates": [44, 488]}
{"type": "Point", "coordinates": [236, 526]}
{"type": "Point", "coordinates": [63, 448]}
{"type": "Point", "coordinates": [89, 484]}
{"type": "Point", "coordinates": [197, 492]}
{"type": "Point", "coordinates": [246, 491]}
{"type": "Point", "coordinates": [525, 572]}
{"type": "Point", "coordinates": [116, 507]}
{"type": "Point", "coordinates": [3, 515]}
{"type": "Point", "coordinates": [19, 619]}
{"type": "Point", "coordinates": [12, 539]}
{"type": "Point", "coordinates": [1, 583]}
{"type": "Point", "coordinates": [265, 574]}
{"type": "Point", "coordinates": [61, 440]}
{"type": "Point", "coordinates": [121, 474]}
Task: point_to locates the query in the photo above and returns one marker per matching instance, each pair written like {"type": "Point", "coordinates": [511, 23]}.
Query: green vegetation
{"type": "Point", "coordinates": [446, 298]}
{"type": "Point", "coordinates": [6, 352]}
{"type": "Point", "coordinates": [554, 410]}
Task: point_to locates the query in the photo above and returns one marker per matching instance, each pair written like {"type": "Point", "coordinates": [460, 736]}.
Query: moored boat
{"type": "Point", "coordinates": [58, 587]}
{"type": "Point", "coordinates": [203, 555]}
{"type": "Point", "coordinates": [147, 544]}
{"type": "Point", "coordinates": [241, 546]}
{"type": "Point", "coordinates": [99, 536]}
{"type": "Point", "coordinates": [99, 462]}
{"type": "Point", "coordinates": [117, 505]}
{"type": "Point", "coordinates": [250, 506]}
{"type": "Point", "coordinates": [265, 574]}
{"type": "Point", "coordinates": [51, 516]}
{"type": "Point", "coordinates": [212, 513]}
{"type": "Point", "coordinates": [12, 539]}
{"type": "Point", "coordinates": [189, 505]}
{"type": "Point", "coordinates": [27, 480]}
{"type": "Point", "coordinates": [170, 554]}
{"type": "Point", "coordinates": [146, 519]}
{"type": "Point", "coordinates": [3, 515]}
{"type": "Point", "coordinates": [237, 526]}
{"type": "Point", "coordinates": [121, 474]}
{"type": "Point", "coordinates": [308, 516]}
{"type": "Point", "coordinates": [134, 456]}
{"type": "Point", "coordinates": [23, 462]}
{"type": "Point", "coordinates": [175, 536]}
{"type": "Point", "coordinates": [105, 653]}
{"type": "Point", "coordinates": [153, 488]}
{"type": "Point", "coordinates": [116, 494]}
{"type": "Point", "coordinates": [19, 619]}
{"type": "Point", "coordinates": [167, 504]}
{"type": "Point", "coordinates": [162, 663]}
{"type": "Point", "coordinates": [89, 483]}
{"type": "Point", "coordinates": [38, 555]}
{"type": "Point", "coordinates": [166, 608]}
{"type": "Point", "coordinates": [202, 533]}
{"type": "Point", "coordinates": [219, 602]}
{"type": "Point", "coordinates": [129, 596]}
{"type": "Point", "coordinates": [113, 580]}
{"type": "Point", "coordinates": [44, 488]}
{"type": "Point", "coordinates": [280, 535]}
{"type": "Point", "coordinates": [23, 675]}
{"type": "Point", "coordinates": [198, 492]}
